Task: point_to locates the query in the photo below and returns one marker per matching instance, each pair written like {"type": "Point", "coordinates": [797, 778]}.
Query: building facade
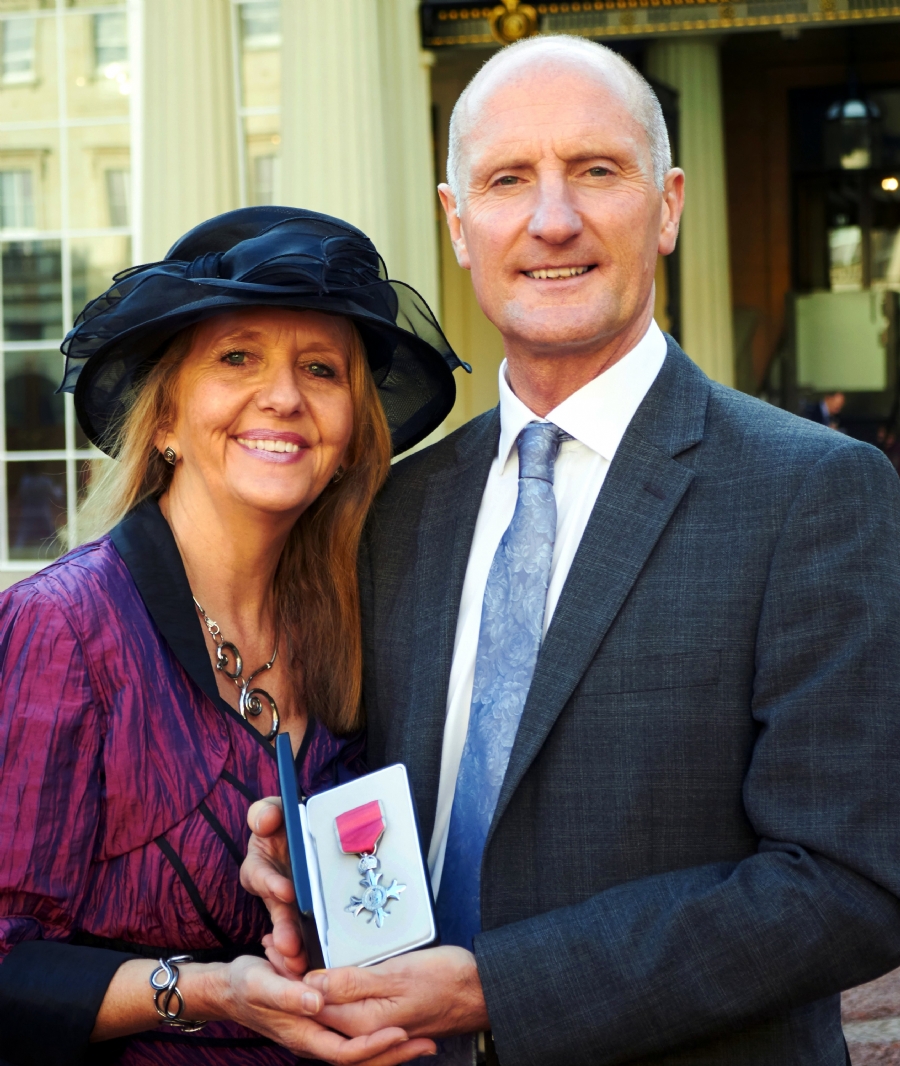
{"type": "Point", "coordinates": [124, 123]}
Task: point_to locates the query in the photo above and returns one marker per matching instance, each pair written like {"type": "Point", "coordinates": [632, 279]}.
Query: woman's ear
{"type": "Point", "coordinates": [163, 439]}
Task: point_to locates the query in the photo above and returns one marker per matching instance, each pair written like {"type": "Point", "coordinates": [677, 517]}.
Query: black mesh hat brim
{"type": "Point", "coordinates": [302, 261]}
{"type": "Point", "coordinates": [414, 381]}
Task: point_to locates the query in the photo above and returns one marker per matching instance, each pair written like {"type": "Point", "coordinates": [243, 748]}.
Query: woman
{"type": "Point", "coordinates": [248, 386]}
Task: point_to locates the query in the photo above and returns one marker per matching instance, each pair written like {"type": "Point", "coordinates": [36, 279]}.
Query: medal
{"type": "Point", "coordinates": [358, 833]}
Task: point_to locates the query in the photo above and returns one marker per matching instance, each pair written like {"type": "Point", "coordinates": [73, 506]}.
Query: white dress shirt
{"type": "Point", "coordinates": [596, 417]}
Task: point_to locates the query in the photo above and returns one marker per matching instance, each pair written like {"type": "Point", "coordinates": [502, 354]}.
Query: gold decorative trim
{"type": "Point", "coordinates": [726, 20]}
{"type": "Point", "coordinates": [512, 21]}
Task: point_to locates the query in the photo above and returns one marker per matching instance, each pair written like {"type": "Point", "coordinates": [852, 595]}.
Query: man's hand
{"type": "Point", "coordinates": [266, 873]}
{"type": "Point", "coordinates": [435, 992]}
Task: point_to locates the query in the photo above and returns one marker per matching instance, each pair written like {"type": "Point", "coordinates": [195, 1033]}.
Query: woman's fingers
{"type": "Point", "coordinates": [380, 1053]}
{"type": "Point", "coordinates": [266, 816]}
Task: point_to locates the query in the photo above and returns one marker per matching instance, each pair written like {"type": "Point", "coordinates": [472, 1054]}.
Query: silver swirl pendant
{"type": "Point", "coordinates": [250, 703]}
{"type": "Point", "coordinates": [223, 650]}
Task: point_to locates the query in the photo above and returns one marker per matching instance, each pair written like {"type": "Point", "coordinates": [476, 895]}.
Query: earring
{"type": "Point", "coordinates": [337, 475]}
{"type": "Point", "coordinates": [170, 456]}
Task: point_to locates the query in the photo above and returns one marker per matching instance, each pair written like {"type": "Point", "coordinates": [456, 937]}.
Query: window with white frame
{"type": "Point", "coordinates": [257, 79]}
{"type": "Point", "coordinates": [18, 51]}
{"type": "Point", "coordinates": [110, 39]}
{"type": "Point", "coordinates": [16, 199]}
{"type": "Point", "coordinates": [64, 231]}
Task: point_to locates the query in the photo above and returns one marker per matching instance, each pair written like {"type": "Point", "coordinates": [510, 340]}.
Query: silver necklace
{"type": "Point", "coordinates": [250, 700]}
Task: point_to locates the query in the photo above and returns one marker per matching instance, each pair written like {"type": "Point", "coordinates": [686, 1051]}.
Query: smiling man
{"type": "Point", "coordinates": [643, 670]}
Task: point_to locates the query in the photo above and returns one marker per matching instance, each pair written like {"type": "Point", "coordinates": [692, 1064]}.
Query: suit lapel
{"type": "Point", "coordinates": [444, 537]}
{"type": "Point", "coordinates": [640, 494]}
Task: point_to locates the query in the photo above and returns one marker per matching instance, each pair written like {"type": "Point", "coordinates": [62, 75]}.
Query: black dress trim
{"type": "Point", "coordinates": [150, 951]}
{"type": "Point", "coordinates": [50, 995]}
{"type": "Point", "coordinates": [211, 924]}
{"type": "Point", "coordinates": [147, 546]}
{"type": "Point", "coordinates": [233, 848]}
{"type": "Point", "coordinates": [235, 782]}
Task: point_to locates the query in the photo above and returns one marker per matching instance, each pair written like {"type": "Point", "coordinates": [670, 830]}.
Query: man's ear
{"type": "Point", "coordinates": [670, 214]}
{"type": "Point", "coordinates": [454, 224]}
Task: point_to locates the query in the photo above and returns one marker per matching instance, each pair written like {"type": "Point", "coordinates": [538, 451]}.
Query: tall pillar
{"type": "Point", "coordinates": [190, 163]}
{"type": "Point", "coordinates": [691, 67]}
{"type": "Point", "coordinates": [356, 128]}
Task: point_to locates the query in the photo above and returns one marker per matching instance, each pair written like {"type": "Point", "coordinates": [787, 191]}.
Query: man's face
{"type": "Point", "coordinates": [558, 177]}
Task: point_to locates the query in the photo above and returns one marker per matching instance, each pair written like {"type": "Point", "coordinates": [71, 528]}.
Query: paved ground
{"type": "Point", "coordinates": [871, 1016]}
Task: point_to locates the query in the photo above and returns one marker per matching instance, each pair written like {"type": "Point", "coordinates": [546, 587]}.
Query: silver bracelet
{"type": "Point", "coordinates": [164, 982]}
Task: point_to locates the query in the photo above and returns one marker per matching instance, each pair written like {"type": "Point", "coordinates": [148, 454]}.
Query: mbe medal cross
{"type": "Point", "coordinates": [358, 832]}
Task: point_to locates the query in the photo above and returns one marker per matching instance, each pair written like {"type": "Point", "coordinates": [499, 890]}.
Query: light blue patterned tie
{"type": "Point", "coordinates": [512, 622]}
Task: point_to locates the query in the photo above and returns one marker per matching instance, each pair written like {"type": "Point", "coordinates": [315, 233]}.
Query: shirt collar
{"type": "Point", "coordinates": [598, 414]}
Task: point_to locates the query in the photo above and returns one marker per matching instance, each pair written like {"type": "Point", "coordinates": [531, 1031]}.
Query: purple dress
{"type": "Point", "coordinates": [124, 786]}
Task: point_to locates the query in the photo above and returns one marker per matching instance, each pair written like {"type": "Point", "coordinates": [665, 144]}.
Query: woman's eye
{"type": "Point", "coordinates": [507, 179]}
{"type": "Point", "coordinates": [235, 358]}
{"type": "Point", "coordinates": [598, 172]}
{"type": "Point", "coordinates": [320, 370]}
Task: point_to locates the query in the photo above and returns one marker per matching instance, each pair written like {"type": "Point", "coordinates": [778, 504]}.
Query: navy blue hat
{"type": "Point", "coordinates": [261, 257]}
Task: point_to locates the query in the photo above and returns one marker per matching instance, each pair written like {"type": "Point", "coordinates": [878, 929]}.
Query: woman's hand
{"type": "Point", "coordinates": [266, 873]}
{"type": "Point", "coordinates": [250, 992]}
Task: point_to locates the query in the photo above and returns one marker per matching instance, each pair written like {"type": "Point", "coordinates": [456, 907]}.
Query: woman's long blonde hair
{"type": "Point", "coordinates": [316, 589]}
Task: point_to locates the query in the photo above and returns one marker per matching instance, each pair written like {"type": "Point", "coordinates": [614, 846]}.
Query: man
{"type": "Point", "coordinates": [827, 412]}
{"type": "Point", "coordinates": [655, 769]}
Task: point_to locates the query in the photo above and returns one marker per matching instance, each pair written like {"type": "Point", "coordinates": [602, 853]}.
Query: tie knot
{"type": "Point", "coordinates": [538, 445]}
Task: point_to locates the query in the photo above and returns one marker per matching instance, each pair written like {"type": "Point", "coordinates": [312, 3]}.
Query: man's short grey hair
{"type": "Point", "coordinates": [638, 92]}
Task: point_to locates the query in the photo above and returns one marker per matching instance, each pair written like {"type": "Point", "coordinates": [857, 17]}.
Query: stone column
{"type": "Point", "coordinates": [356, 130]}
{"type": "Point", "coordinates": [190, 163]}
{"type": "Point", "coordinates": [691, 67]}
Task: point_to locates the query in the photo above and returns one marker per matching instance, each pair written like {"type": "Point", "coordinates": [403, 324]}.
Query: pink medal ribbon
{"type": "Point", "coordinates": [358, 832]}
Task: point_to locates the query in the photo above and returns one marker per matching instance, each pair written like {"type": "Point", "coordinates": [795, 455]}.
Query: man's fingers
{"type": "Point", "coordinates": [348, 984]}
{"type": "Point", "coordinates": [405, 1051]}
{"type": "Point", "coordinates": [266, 816]}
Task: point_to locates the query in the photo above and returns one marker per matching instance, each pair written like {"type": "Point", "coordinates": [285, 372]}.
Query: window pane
{"type": "Point", "coordinates": [88, 470]}
{"type": "Point", "coordinates": [94, 150]}
{"type": "Point", "coordinates": [16, 199]}
{"type": "Point", "coordinates": [845, 258]}
{"type": "Point", "coordinates": [261, 55]}
{"type": "Point", "coordinates": [18, 51]}
{"type": "Point", "coordinates": [261, 144]}
{"type": "Point", "coordinates": [32, 290]}
{"type": "Point", "coordinates": [110, 39]}
{"type": "Point", "coordinates": [886, 257]}
{"type": "Point", "coordinates": [94, 262]}
{"type": "Point", "coordinates": [36, 505]}
{"type": "Point", "coordinates": [35, 415]}
{"type": "Point", "coordinates": [261, 26]}
{"type": "Point", "coordinates": [118, 196]}
{"type": "Point", "coordinates": [266, 180]}
{"type": "Point", "coordinates": [98, 75]}
{"type": "Point", "coordinates": [29, 90]}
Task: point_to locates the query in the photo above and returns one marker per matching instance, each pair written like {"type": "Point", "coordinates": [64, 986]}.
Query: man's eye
{"type": "Point", "coordinates": [598, 172]}
{"type": "Point", "coordinates": [235, 358]}
{"type": "Point", "coordinates": [508, 179]}
{"type": "Point", "coordinates": [320, 370]}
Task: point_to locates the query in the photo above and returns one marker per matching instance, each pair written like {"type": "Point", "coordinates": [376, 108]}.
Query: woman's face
{"type": "Point", "coordinates": [264, 412]}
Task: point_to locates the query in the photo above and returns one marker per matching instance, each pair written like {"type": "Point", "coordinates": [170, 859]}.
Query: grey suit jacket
{"type": "Point", "coordinates": [697, 844]}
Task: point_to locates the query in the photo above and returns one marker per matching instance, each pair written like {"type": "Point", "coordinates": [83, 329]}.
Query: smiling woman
{"type": "Point", "coordinates": [250, 388]}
